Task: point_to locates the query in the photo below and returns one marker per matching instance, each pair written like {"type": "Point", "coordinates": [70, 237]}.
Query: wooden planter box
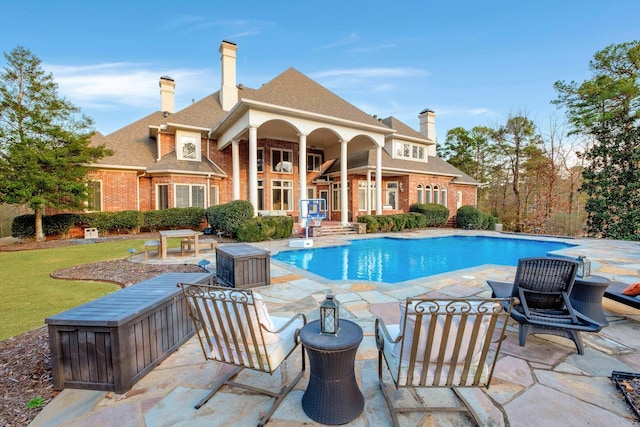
{"type": "Point", "coordinates": [112, 342]}
{"type": "Point", "coordinates": [243, 266]}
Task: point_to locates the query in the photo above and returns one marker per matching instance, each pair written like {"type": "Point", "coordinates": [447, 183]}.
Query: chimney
{"type": "Point", "coordinates": [167, 91]}
{"type": "Point", "coordinates": [228, 91]}
{"type": "Point", "coordinates": [428, 128]}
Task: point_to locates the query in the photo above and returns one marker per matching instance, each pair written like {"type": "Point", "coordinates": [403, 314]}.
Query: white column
{"type": "Point", "coordinates": [235, 162]}
{"type": "Point", "coordinates": [302, 165]}
{"type": "Point", "coordinates": [378, 180]}
{"type": "Point", "coordinates": [367, 198]}
{"type": "Point", "coordinates": [344, 196]}
{"type": "Point", "coordinates": [253, 167]}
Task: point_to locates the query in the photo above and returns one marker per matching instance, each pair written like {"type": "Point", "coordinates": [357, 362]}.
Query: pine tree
{"type": "Point", "coordinates": [44, 140]}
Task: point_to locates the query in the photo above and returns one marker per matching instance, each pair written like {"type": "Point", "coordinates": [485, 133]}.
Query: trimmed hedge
{"type": "Point", "coordinates": [174, 218]}
{"type": "Point", "coordinates": [228, 217]}
{"type": "Point", "coordinates": [24, 226]}
{"type": "Point", "coordinates": [394, 222]}
{"type": "Point", "coordinates": [471, 218]}
{"type": "Point", "coordinates": [435, 214]}
{"type": "Point", "coordinates": [114, 221]}
{"type": "Point", "coordinates": [262, 228]}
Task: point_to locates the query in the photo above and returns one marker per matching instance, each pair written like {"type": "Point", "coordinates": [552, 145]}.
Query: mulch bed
{"type": "Point", "coordinates": [25, 368]}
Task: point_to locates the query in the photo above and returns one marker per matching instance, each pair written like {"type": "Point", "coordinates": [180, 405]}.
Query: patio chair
{"type": "Point", "coordinates": [441, 343]}
{"type": "Point", "coordinates": [542, 286]}
{"type": "Point", "coordinates": [235, 328]}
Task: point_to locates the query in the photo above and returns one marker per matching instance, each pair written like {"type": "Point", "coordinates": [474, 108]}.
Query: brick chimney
{"type": "Point", "coordinates": [167, 91]}
{"type": "Point", "coordinates": [228, 91]}
{"type": "Point", "coordinates": [428, 128]}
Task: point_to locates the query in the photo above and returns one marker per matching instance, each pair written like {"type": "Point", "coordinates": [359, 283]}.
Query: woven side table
{"type": "Point", "coordinates": [586, 297]}
{"type": "Point", "coordinates": [332, 396]}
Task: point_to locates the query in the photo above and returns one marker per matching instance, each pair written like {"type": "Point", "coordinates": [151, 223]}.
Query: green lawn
{"type": "Point", "coordinates": [28, 294]}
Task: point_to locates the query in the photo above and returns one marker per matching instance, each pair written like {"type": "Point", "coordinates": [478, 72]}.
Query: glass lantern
{"type": "Point", "coordinates": [584, 266]}
{"type": "Point", "coordinates": [329, 316]}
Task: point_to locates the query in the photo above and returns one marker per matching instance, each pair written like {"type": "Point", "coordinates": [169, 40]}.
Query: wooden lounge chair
{"type": "Point", "coordinates": [235, 328]}
{"type": "Point", "coordinates": [542, 286]}
{"type": "Point", "coordinates": [442, 343]}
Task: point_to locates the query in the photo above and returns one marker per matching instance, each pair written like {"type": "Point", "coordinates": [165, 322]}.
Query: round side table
{"type": "Point", "coordinates": [332, 396]}
{"type": "Point", "coordinates": [586, 297]}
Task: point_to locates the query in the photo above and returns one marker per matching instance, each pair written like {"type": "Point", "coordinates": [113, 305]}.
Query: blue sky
{"type": "Point", "coordinates": [473, 62]}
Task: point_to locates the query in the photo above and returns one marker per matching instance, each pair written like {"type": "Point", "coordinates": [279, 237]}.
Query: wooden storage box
{"type": "Point", "coordinates": [243, 266]}
{"type": "Point", "coordinates": [112, 342]}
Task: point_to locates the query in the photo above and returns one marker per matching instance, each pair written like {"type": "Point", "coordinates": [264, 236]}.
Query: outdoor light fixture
{"type": "Point", "coordinates": [131, 252]}
{"type": "Point", "coordinates": [329, 316]}
{"type": "Point", "coordinates": [584, 266]}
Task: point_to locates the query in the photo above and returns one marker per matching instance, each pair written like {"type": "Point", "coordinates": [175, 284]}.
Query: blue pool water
{"type": "Point", "coordinates": [395, 260]}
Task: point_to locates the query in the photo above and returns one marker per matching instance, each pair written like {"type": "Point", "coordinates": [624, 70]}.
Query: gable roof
{"type": "Point", "coordinates": [403, 129]}
{"type": "Point", "coordinates": [131, 145]}
{"type": "Point", "coordinates": [292, 89]}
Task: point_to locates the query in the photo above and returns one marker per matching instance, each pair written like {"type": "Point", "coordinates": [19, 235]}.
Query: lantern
{"type": "Point", "coordinates": [329, 316]}
{"type": "Point", "coordinates": [584, 266]}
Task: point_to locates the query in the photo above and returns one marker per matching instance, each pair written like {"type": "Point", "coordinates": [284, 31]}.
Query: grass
{"type": "Point", "coordinates": [28, 294]}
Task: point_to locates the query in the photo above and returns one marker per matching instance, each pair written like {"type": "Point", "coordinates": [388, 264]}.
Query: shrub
{"type": "Point", "coordinates": [174, 218]}
{"type": "Point", "coordinates": [416, 220]}
{"type": "Point", "coordinates": [23, 226]}
{"type": "Point", "coordinates": [371, 221]}
{"type": "Point", "coordinates": [385, 223]}
{"type": "Point", "coordinates": [263, 228]}
{"type": "Point", "coordinates": [471, 218]}
{"type": "Point", "coordinates": [399, 221]}
{"type": "Point", "coordinates": [435, 214]}
{"type": "Point", "coordinates": [229, 217]}
{"type": "Point", "coordinates": [114, 221]}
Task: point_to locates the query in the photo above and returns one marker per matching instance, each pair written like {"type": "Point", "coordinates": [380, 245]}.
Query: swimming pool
{"type": "Point", "coordinates": [394, 260]}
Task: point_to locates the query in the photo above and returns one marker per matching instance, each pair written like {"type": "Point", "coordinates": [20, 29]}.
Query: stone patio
{"type": "Point", "coordinates": [545, 383]}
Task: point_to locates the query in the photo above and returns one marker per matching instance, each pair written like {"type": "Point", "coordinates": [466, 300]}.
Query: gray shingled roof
{"type": "Point", "coordinates": [293, 89]}
{"type": "Point", "coordinates": [435, 166]}
{"type": "Point", "coordinates": [132, 145]}
{"type": "Point", "coordinates": [170, 163]}
{"type": "Point", "coordinates": [403, 129]}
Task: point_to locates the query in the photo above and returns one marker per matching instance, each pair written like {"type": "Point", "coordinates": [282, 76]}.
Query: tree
{"type": "Point", "coordinates": [515, 140]}
{"type": "Point", "coordinates": [44, 141]}
{"type": "Point", "coordinates": [607, 108]}
{"type": "Point", "coordinates": [468, 150]}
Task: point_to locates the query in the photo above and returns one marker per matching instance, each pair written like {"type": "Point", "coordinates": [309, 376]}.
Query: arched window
{"type": "Point", "coordinates": [443, 196]}
{"type": "Point", "coordinates": [420, 192]}
{"type": "Point", "coordinates": [436, 194]}
{"type": "Point", "coordinates": [427, 190]}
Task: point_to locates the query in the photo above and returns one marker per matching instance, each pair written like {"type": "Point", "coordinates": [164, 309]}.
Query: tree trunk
{"type": "Point", "coordinates": [39, 228]}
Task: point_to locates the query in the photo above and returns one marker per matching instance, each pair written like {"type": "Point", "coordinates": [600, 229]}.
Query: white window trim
{"type": "Point", "coordinates": [184, 136]}
{"type": "Point", "coordinates": [217, 201]}
{"type": "Point", "coordinates": [282, 188]}
{"type": "Point", "coordinates": [281, 151]}
{"type": "Point", "coordinates": [97, 208]}
{"type": "Point", "coordinates": [398, 152]}
{"type": "Point", "coordinates": [158, 195]}
{"type": "Point", "coordinates": [313, 168]}
{"type": "Point", "coordinates": [175, 193]}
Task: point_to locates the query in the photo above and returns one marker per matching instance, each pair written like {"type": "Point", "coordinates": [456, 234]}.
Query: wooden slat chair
{"type": "Point", "coordinates": [542, 285]}
{"type": "Point", "coordinates": [441, 343]}
{"type": "Point", "coordinates": [235, 328]}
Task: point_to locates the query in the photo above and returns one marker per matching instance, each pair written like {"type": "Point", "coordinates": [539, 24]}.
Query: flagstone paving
{"type": "Point", "coordinates": [544, 383]}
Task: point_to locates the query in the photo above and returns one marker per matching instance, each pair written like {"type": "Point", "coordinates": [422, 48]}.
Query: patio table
{"type": "Point", "coordinates": [185, 233]}
{"type": "Point", "coordinates": [332, 396]}
{"type": "Point", "coordinates": [586, 297]}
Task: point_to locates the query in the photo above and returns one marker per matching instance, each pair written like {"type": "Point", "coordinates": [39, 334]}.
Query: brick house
{"type": "Point", "coordinates": [290, 139]}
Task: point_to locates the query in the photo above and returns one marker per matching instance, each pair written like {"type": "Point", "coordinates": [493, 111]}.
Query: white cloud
{"type": "Point", "coordinates": [113, 85]}
{"type": "Point", "coordinates": [350, 39]}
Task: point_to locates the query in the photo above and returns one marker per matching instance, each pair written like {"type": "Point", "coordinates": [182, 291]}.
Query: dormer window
{"type": "Point", "coordinates": [188, 145]}
{"type": "Point", "coordinates": [406, 150]}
